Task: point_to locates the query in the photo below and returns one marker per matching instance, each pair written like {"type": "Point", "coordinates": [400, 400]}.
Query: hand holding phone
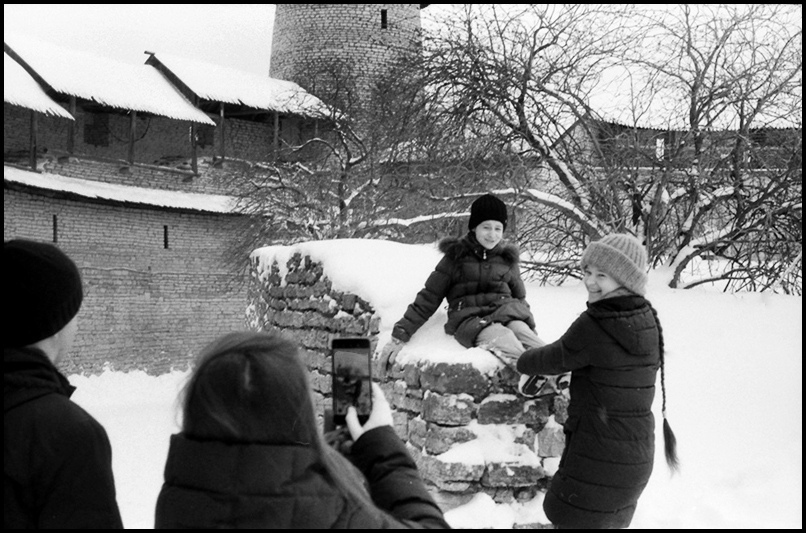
{"type": "Point", "coordinates": [352, 377]}
{"type": "Point", "coordinates": [381, 415]}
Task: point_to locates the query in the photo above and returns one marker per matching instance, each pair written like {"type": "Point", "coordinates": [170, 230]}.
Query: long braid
{"type": "Point", "coordinates": [669, 440]}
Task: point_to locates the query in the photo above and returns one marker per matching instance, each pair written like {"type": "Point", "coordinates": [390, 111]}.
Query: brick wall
{"type": "Point", "coordinates": [437, 407]}
{"type": "Point", "coordinates": [146, 306]}
{"type": "Point", "coordinates": [309, 38]}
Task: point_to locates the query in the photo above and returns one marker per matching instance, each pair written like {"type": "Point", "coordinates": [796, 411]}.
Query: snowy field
{"type": "Point", "coordinates": [734, 385]}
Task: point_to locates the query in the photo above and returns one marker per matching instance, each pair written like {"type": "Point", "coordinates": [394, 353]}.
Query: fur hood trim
{"type": "Point", "coordinates": [455, 248]}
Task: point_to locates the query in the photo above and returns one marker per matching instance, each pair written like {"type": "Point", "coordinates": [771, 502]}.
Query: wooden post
{"type": "Point", "coordinates": [32, 141]}
{"type": "Point", "coordinates": [221, 127]}
{"type": "Point", "coordinates": [71, 128]}
{"type": "Point", "coordinates": [194, 164]}
{"type": "Point", "coordinates": [132, 133]}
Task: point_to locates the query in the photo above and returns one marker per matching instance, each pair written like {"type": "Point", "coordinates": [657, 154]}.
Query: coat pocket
{"type": "Point", "coordinates": [469, 329]}
{"type": "Point", "coordinates": [512, 309]}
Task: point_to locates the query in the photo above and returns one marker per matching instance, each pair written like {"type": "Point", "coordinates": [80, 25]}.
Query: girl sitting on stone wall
{"type": "Point", "coordinates": [479, 275]}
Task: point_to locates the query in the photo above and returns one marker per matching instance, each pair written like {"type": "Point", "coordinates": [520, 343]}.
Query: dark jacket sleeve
{"type": "Point", "coordinates": [394, 482]}
{"type": "Point", "coordinates": [426, 302]}
{"type": "Point", "coordinates": [81, 488]}
{"type": "Point", "coordinates": [516, 284]}
{"type": "Point", "coordinates": [561, 356]}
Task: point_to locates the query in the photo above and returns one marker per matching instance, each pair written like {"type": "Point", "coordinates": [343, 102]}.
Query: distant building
{"type": "Point", "coordinates": [126, 168]}
{"type": "Point", "coordinates": [339, 51]}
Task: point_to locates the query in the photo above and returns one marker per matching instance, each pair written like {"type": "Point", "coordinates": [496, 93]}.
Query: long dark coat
{"type": "Point", "coordinates": [218, 485]}
{"type": "Point", "coordinates": [613, 352]}
{"type": "Point", "coordinates": [57, 461]}
{"type": "Point", "coordinates": [481, 286]}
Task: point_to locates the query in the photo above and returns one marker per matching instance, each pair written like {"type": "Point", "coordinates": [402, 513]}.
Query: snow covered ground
{"type": "Point", "coordinates": [734, 384]}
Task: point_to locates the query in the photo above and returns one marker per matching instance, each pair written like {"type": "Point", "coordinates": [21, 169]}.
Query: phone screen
{"type": "Point", "coordinates": [351, 381]}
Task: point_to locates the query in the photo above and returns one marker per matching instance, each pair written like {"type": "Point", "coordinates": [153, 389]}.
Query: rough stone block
{"type": "Point", "coordinates": [450, 410]}
{"type": "Point", "coordinates": [451, 378]}
{"type": "Point", "coordinates": [551, 441]}
{"type": "Point", "coordinates": [501, 409]}
{"type": "Point", "coordinates": [411, 373]}
{"type": "Point", "coordinates": [401, 424]}
{"type": "Point", "coordinates": [321, 383]}
{"type": "Point", "coordinates": [440, 439]}
{"type": "Point", "coordinates": [411, 402]}
{"type": "Point", "coordinates": [441, 473]}
{"type": "Point", "coordinates": [347, 301]}
{"type": "Point", "coordinates": [512, 474]}
{"type": "Point", "coordinates": [395, 392]}
{"type": "Point", "coordinates": [536, 412]}
{"type": "Point", "coordinates": [417, 432]}
{"type": "Point", "coordinates": [321, 288]}
{"type": "Point", "coordinates": [277, 304]}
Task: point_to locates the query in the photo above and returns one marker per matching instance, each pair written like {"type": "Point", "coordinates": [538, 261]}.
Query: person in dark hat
{"type": "Point", "coordinates": [613, 351]}
{"type": "Point", "coordinates": [479, 275]}
{"type": "Point", "coordinates": [57, 466]}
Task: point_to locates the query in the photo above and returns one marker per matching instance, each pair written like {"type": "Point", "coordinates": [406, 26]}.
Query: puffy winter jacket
{"type": "Point", "coordinates": [613, 352]}
{"type": "Point", "coordinates": [218, 485]}
{"type": "Point", "coordinates": [481, 286]}
{"type": "Point", "coordinates": [57, 461]}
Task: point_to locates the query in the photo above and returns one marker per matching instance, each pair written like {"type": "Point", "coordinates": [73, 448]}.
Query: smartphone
{"type": "Point", "coordinates": [352, 377]}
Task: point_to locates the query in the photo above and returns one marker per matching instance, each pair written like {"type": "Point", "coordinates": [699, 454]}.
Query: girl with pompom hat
{"type": "Point", "coordinates": [613, 351]}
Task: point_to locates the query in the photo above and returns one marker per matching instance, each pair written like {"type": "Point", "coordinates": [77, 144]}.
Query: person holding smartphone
{"type": "Point", "coordinates": [252, 455]}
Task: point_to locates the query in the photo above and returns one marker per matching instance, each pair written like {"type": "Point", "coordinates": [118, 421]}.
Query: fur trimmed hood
{"type": "Point", "coordinates": [476, 282]}
{"type": "Point", "coordinates": [455, 249]}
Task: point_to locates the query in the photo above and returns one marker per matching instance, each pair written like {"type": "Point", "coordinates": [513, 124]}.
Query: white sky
{"type": "Point", "coordinates": [734, 382]}
{"type": "Point", "coordinates": [230, 35]}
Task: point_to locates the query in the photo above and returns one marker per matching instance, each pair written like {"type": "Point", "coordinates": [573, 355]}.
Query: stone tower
{"type": "Point", "coordinates": [338, 51]}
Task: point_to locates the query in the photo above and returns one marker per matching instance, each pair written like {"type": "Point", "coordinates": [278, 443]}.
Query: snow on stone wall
{"type": "Point", "coordinates": [468, 430]}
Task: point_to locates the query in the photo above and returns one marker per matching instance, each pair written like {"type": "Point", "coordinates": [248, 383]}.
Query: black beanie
{"type": "Point", "coordinates": [44, 291]}
{"type": "Point", "coordinates": [487, 207]}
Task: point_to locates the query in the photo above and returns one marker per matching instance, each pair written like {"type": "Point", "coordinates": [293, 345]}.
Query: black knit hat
{"type": "Point", "coordinates": [44, 291]}
{"type": "Point", "coordinates": [487, 207]}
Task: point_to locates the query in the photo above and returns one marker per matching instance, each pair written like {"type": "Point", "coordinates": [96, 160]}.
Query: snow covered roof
{"type": "Point", "coordinates": [102, 80]}
{"type": "Point", "coordinates": [223, 84]}
{"type": "Point", "coordinates": [20, 89]}
{"type": "Point", "coordinates": [96, 190]}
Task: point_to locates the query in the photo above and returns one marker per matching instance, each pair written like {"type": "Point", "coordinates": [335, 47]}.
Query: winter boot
{"type": "Point", "coordinates": [537, 386]}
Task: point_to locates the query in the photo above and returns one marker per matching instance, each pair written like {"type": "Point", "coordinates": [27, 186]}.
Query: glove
{"type": "Point", "coordinates": [389, 353]}
{"type": "Point", "coordinates": [381, 415]}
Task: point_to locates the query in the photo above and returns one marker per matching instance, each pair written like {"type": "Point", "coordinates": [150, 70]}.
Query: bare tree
{"type": "Point", "coordinates": [528, 79]}
{"type": "Point", "coordinates": [514, 99]}
{"type": "Point", "coordinates": [351, 177]}
{"type": "Point", "coordinates": [730, 188]}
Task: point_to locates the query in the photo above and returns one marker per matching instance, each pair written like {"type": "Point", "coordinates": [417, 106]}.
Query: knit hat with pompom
{"type": "Point", "coordinates": [623, 257]}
